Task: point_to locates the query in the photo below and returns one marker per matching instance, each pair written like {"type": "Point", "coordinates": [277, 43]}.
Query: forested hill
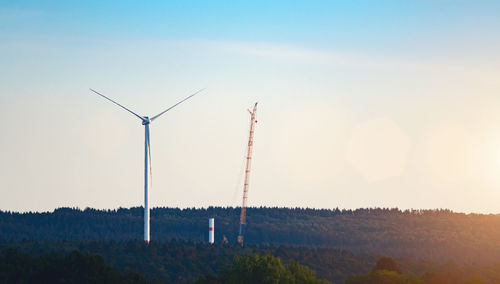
{"type": "Point", "coordinates": [437, 235]}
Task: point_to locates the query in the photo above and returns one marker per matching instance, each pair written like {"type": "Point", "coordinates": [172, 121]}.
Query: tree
{"type": "Point", "coordinates": [385, 277]}
{"type": "Point", "coordinates": [386, 271]}
{"type": "Point", "coordinates": [387, 263]}
{"type": "Point", "coordinates": [263, 269]}
{"type": "Point", "coordinates": [75, 267]}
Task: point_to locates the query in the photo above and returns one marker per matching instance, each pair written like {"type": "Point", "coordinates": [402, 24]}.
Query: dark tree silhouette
{"type": "Point", "coordinates": [264, 269]}
{"type": "Point", "coordinates": [387, 263]}
{"type": "Point", "coordinates": [75, 267]}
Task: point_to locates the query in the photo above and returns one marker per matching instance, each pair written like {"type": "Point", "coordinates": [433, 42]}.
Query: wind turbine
{"type": "Point", "coordinates": [147, 154]}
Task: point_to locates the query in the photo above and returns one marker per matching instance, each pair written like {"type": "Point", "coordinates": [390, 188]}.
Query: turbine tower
{"type": "Point", "coordinates": [147, 154]}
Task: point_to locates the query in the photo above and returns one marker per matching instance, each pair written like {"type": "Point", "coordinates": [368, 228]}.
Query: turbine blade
{"type": "Point", "coordinates": [150, 167]}
{"type": "Point", "coordinates": [156, 116]}
{"type": "Point", "coordinates": [141, 118]}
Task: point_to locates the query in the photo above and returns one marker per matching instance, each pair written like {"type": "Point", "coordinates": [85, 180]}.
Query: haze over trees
{"type": "Point", "coordinates": [178, 261]}
{"type": "Point", "coordinates": [182, 261]}
{"type": "Point", "coordinates": [437, 235]}
{"type": "Point", "coordinates": [432, 245]}
{"type": "Point", "coordinates": [185, 262]}
{"type": "Point", "coordinates": [75, 267]}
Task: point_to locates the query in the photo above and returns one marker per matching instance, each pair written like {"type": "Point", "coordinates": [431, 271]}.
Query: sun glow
{"type": "Point", "coordinates": [378, 149]}
{"type": "Point", "coordinates": [456, 154]}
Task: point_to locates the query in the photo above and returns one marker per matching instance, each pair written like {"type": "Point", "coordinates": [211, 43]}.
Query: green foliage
{"type": "Point", "coordinates": [451, 273]}
{"type": "Point", "coordinates": [302, 274]}
{"type": "Point", "coordinates": [385, 277]}
{"type": "Point", "coordinates": [334, 243]}
{"type": "Point", "coordinates": [256, 269]}
{"type": "Point", "coordinates": [437, 235]}
{"type": "Point", "coordinates": [448, 273]}
{"type": "Point", "coordinates": [386, 271]}
{"type": "Point", "coordinates": [265, 269]}
{"type": "Point", "coordinates": [387, 263]}
{"type": "Point", "coordinates": [76, 267]}
{"type": "Point", "coordinates": [181, 261]}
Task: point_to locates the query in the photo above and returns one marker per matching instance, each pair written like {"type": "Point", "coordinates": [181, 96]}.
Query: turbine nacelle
{"type": "Point", "coordinates": [145, 120]}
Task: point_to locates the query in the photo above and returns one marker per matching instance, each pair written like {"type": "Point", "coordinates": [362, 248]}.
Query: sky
{"type": "Point", "coordinates": [361, 103]}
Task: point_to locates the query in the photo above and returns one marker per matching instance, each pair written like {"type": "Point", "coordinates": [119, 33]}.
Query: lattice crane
{"type": "Point", "coordinates": [247, 176]}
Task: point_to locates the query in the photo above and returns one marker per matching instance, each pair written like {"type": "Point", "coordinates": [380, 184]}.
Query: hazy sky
{"type": "Point", "coordinates": [361, 103]}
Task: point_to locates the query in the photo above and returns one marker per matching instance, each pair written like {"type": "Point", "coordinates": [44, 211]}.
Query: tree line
{"type": "Point", "coordinates": [438, 235]}
{"type": "Point", "coordinates": [185, 262]}
{"type": "Point", "coordinates": [180, 261]}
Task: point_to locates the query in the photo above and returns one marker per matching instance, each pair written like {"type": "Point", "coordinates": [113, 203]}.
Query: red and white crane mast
{"type": "Point", "coordinates": [247, 175]}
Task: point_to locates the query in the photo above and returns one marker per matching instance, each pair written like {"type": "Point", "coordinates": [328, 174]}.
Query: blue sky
{"type": "Point", "coordinates": [362, 103]}
{"type": "Point", "coordinates": [345, 24]}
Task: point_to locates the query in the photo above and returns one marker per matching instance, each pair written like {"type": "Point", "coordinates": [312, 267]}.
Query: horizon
{"type": "Point", "coordinates": [392, 104]}
{"type": "Point", "coordinates": [141, 207]}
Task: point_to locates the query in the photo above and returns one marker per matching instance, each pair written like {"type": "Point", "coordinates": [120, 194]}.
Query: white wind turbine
{"type": "Point", "coordinates": [147, 154]}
